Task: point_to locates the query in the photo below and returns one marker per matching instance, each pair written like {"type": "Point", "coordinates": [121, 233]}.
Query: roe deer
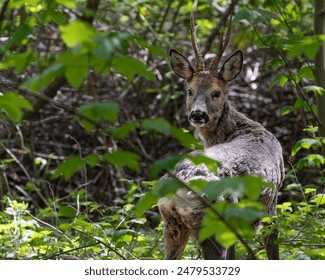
{"type": "Point", "coordinates": [242, 145]}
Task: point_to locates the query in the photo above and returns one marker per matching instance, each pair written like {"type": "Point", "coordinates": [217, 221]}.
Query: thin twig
{"type": "Point", "coordinates": [49, 226]}
{"type": "Point", "coordinates": [29, 178]}
{"type": "Point", "coordinates": [71, 250]}
{"type": "Point", "coordinates": [216, 31]}
{"type": "Point", "coordinates": [101, 242]}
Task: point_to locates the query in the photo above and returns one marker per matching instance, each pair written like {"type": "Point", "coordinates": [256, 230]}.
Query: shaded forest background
{"type": "Point", "coordinates": [89, 107]}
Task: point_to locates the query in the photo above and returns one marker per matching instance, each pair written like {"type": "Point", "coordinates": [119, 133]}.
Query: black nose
{"type": "Point", "coordinates": [198, 116]}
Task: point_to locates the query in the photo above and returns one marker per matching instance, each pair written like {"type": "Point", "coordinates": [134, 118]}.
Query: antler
{"type": "Point", "coordinates": [196, 47]}
{"type": "Point", "coordinates": [223, 42]}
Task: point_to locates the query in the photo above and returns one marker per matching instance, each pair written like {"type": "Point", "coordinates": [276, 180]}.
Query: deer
{"type": "Point", "coordinates": [241, 145]}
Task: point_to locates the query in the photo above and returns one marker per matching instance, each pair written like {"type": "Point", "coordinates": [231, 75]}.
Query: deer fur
{"type": "Point", "coordinates": [242, 145]}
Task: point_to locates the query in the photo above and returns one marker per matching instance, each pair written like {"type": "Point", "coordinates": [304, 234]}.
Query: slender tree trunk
{"type": "Point", "coordinates": [319, 28]}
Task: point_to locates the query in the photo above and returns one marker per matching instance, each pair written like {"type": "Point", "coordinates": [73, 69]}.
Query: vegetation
{"type": "Point", "coordinates": [91, 116]}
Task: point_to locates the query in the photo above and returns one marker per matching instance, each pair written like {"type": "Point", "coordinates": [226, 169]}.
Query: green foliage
{"type": "Point", "coordinates": [13, 105]}
{"type": "Point", "coordinates": [124, 158]}
{"type": "Point", "coordinates": [255, 16]}
{"type": "Point", "coordinates": [91, 114]}
{"type": "Point", "coordinates": [237, 186]}
{"type": "Point", "coordinates": [78, 33]}
{"type": "Point", "coordinates": [239, 216]}
{"type": "Point", "coordinates": [115, 236]}
{"type": "Point", "coordinates": [161, 125]}
{"type": "Point", "coordinates": [307, 143]}
{"type": "Point", "coordinates": [69, 167]}
{"type": "Point", "coordinates": [301, 226]}
{"type": "Point", "coordinates": [70, 224]}
{"type": "Point", "coordinates": [130, 67]}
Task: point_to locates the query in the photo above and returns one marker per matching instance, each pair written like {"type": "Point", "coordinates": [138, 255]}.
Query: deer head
{"type": "Point", "coordinates": [206, 90]}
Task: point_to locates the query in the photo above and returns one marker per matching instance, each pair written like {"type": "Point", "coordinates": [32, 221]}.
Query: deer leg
{"type": "Point", "coordinates": [212, 250]}
{"type": "Point", "coordinates": [176, 235]}
{"type": "Point", "coordinates": [272, 249]}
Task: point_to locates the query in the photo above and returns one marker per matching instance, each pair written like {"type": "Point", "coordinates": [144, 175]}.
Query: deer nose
{"type": "Point", "coordinates": [198, 116]}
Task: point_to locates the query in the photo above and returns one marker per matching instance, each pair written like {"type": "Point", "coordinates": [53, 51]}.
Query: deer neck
{"type": "Point", "coordinates": [228, 126]}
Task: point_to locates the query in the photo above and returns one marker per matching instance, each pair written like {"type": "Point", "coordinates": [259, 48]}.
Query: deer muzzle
{"type": "Point", "coordinates": [198, 118]}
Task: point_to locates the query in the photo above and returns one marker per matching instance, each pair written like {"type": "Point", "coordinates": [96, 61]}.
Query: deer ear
{"type": "Point", "coordinates": [232, 66]}
{"type": "Point", "coordinates": [181, 65]}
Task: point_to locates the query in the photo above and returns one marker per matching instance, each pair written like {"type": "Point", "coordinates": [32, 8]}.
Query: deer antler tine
{"type": "Point", "coordinates": [228, 33]}
{"type": "Point", "coordinates": [223, 42]}
{"type": "Point", "coordinates": [216, 60]}
{"type": "Point", "coordinates": [196, 47]}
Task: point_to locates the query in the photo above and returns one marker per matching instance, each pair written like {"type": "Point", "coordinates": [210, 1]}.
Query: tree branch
{"type": "Point", "coordinates": [216, 31]}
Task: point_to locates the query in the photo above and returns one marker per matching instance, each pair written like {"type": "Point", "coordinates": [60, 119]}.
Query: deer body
{"type": "Point", "coordinates": [242, 145]}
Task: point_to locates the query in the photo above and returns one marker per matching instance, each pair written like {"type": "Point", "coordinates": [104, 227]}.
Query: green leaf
{"type": "Point", "coordinates": [286, 110]}
{"type": "Point", "coordinates": [130, 67]}
{"type": "Point", "coordinates": [69, 167]}
{"type": "Point", "coordinates": [210, 163]}
{"type": "Point", "coordinates": [249, 214]}
{"type": "Point", "coordinates": [122, 159]}
{"type": "Point", "coordinates": [316, 90]}
{"type": "Point", "coordinates": [41, 81]}
{"type": "Point", "coordinates": [164, 164]}
{"type": "Point", "coordinates": [280, 78]}
{"type": "Point", "coordinates": [186, 138]}
{"type": "Point", "coordinates": [14, 104]}
{"type": "Point", "coordinates": [154, 50]}
{"type": "Point", "coordinates": [254, 16]}
{"type": "Point", "coordinates": [75, 67]}
{"type": "Point", "coordinates": [110, 44]}
{"type": "Point", "coordinates": [98, 111]}
{"type": "Point", "coordinates": [145, 203]}
{"type": "Point", "coordinates": [303, 104]}
{"type": "Point", "coordinates": [78, 32]}
{"type": "Point", "coordinates": [167, 187]}
{"type": "Point", "coordinates": [319, 199]}
{"type": "Point", "coordinates": [20, 35]}
{"type": "Point", "coordinates": [239, 216]}
{"type": "Point", "coordinates": [67, 3]}
{"type": "Point", "coordinates": [67, 211]}
{"type": "Point", "coordinates": [306, 143]}
{"type": "Point", "coordinates": [307, 72]}
{"type": "Point", "coordinates": [311, 161]}
{"type": "Point", "coordinates": [92, 160]}
{"type": "Point", "coordinates": [20, 3]}
{"type": "Point", "coordinates": [57, 16]}
{"type": "Point", "coordinates": [316, 254]}
{"type": "Point", "coordinates": [123, 131]}
{"type": "Point", "coordinates": [18, 60]}
{"type": "Point", "coordinates": [212, 226]}
{"type": "Point", "coordinates": [159, 125]}
{"type": "Point", "coordinates": [309, 45]}
{"type": "Point", "coordinates": [312, 129]}
{"type": "Point", "coordinates": [285, 207]}
{"type": "Point", "coordinates": [247, 185]}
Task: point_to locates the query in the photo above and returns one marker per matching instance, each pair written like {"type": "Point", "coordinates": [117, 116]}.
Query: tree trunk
{"type": "Point", "coordinates": [319, 28]}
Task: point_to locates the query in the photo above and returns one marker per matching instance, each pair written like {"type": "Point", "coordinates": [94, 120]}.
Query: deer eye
{"type": "Point", "coordinates": [215, 95]}
{"type": "Point", "coordinates": [189, 92]}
